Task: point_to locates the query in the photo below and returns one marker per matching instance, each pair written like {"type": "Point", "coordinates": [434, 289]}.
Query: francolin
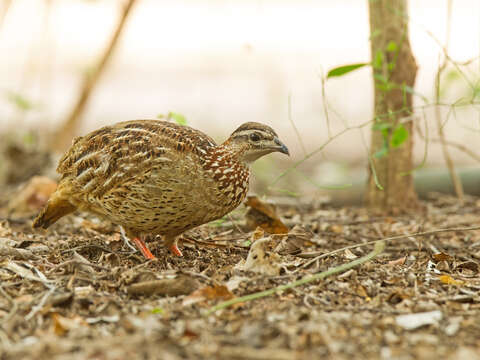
{"type": "Point", "coordinates": [156, 177]}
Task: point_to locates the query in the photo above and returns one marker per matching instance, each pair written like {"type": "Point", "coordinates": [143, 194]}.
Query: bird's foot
{"type": "Point", "coordinates": [143, 248]}
{"type": "Point", "coordinates": [175, 250]}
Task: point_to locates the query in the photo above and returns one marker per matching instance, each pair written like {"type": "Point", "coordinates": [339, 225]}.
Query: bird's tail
{"type": "Point", "coordinates": [55, 209]}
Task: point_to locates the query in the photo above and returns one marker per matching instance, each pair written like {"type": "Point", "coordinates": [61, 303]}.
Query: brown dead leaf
{"type": "Point", "coordinates": [442, 257]}
{"type": "Point", "coordinates": [470, 266]}
{"type": "Point", "coordinates": [61, 324]}
{"type": "Point", "coordinates": [257, 234]}
{"type": "Point", "coordinates": [32, 196]}
{"type": "Point", "coordinates": [58, 327]}
{"type": "Point", "coordinates": [361, 291]}
{"type": "Point", "coordinates": [396, 297]}
{"type": "Point", "coordinates": [399, 261]}
{"type": "Point", "coordinates": [294, 241]}
{"type": "Point", "coordinates": [338, 229]}
{"type": "Point", "coordinates": [216, 292]}
{"type": "Point", "coordinates": [263, 215]}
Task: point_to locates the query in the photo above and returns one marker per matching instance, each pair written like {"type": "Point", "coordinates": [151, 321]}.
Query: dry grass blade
{"type": "Point", "coordinates": [379, 247]}
{"type": "Point", "coordinates": [398, 237]}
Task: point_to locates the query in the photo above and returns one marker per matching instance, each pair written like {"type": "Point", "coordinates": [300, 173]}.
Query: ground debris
{"type": "Point", "coordinates": [77, 292]}
{"type": "Point", "coordinates": [181, 285]}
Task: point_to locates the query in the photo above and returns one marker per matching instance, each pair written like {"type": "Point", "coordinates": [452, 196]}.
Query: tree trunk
{"type": "Point", "coordinates": [390, 184]}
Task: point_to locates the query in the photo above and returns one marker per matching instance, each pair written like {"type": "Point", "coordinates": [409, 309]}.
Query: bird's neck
{"type": "Point", "coordinates": [233, 151]}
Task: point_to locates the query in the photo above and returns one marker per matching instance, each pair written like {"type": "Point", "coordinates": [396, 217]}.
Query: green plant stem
{"type": "Point", "coordinates": [379, 247]}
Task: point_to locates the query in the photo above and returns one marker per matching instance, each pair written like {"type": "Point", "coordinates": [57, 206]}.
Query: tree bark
{"type": "Point", "coordinates": [63, 136]}
{"type": "Point", "coordinates": [394, 70]}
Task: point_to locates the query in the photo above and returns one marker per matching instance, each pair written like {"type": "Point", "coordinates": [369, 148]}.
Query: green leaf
{"type": "Point", "coordinates": [380, 126]}
{"type": "Point", "coordinates": [378, 60]}
{"type": "Point", "coordinates": [399, 136]}
{"type": "Point", "coordinates": [159, 311]}
{"type": "Point", "coordinates": [380, 77]}
{"type": "Point", "coordinates": [178, 118]}
{"type": "Point", "coordinates": [391, 46]}
{"type": "Point", "coordinates": [20, 101]}
{"type": "Point", "coordinates": [342, 70]}
{"type": "Point", "coordinates": [374, 34]}
{"type": "Point", "coordinates": [247, 243]}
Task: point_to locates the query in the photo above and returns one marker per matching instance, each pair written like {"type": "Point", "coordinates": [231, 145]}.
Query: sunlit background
{"type": "Point", "coordinates": [220, 63]}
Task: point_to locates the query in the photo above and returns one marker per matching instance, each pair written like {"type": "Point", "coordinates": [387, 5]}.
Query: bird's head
{"type": "Point", "coordinates": [253, 140]}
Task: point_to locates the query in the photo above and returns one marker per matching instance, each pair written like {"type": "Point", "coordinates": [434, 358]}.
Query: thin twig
{"type": "Point", "coordinates": [325, 105]}
{"type": "Point", "coordinates": [4, 10]}
{"type": "Point", "coordinates": [40, 305]}
{"type": "Point", "coordinates": [459, 147]}
{"type": "Point", "coordinates": [67, 130]}
{"type": "Point", "coordinates": [77, 262]}
{"type": "Point", "coordinates": [397, 237]}
{"type": "Point", "coordinates": [290, 118]}
{"type": "Point", "coordinates": [379, 247]}
{"type": "Point", "coordinates": [457, 184]}
{"type": "Point", "coordinates": [318, 149]}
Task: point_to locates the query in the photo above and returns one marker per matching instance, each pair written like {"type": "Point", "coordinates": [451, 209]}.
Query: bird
{"type": "Point", "coordinates": [156, 177]}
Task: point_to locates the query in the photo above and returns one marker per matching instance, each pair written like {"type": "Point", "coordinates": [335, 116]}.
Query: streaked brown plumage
{"type": "Point", "coordinates": [157, 177]}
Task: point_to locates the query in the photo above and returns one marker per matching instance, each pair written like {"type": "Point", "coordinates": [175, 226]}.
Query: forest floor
{"type": "Point", "coordinates": [77, 291]}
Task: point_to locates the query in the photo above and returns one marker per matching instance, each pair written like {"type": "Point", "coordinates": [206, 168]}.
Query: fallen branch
{"type": "Point", "coordinates": [165, 287]}
{"type": "Point", "coordinates": [379, 247]}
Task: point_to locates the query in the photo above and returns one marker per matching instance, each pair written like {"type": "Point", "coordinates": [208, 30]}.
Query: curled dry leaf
{"type": "Point", "coordinates": [468, 266]}
{"type": "Point", "coordinates": [349, 255]}
{"type": "Point", "coordinates": [61, 324]}
{"type": "Point", "coordinates": [32, 196]}
{"type": "Point", "coordinates": [263, 215]}
{"type": "Point", "coordinates": [216, 292]}
{"type": "Point", "coordinates": [396, 297]}
{"type": "Point", "coordinates": [257, 234]}
{"type": "Point", "coordinates": [399, 261]}
{"type": "Point", "coordinates": [362, 292]}
{"type": "Point", "coordinates": [261, 259]}
{"type": "Point", "coordinates": [294, 241]}
{"type": "Point", "coordinates": [442, 257]}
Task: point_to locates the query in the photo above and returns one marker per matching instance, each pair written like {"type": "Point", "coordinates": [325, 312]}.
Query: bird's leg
{"type": "Point", "coordinates": [171, 243]}
{"type": "Point", "coordinates": [141, 246]}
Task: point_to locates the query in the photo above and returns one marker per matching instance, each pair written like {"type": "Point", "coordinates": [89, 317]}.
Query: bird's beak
{"type": "Point", "coordinates": [281, 147]}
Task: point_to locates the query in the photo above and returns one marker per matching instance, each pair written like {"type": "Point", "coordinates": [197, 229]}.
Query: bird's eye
{"type": "Point", "coordinates": [254, 137]}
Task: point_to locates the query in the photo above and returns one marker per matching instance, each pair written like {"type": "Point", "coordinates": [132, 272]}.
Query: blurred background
{"type": "Point", "coordinates": [221, 63]}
